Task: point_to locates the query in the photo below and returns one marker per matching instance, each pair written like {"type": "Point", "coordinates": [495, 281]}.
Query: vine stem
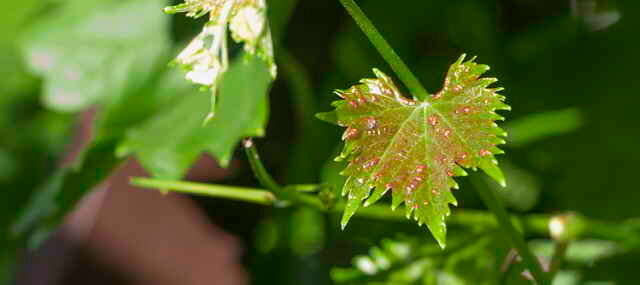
{"type": "Point", "coordinates": [535, 224]}
{"type": "Point", "coordinates": [251, 195]}
{"type": "Point", "coordinates": [390, 56]}
{"type": "Point", "coordinates": [258, 168]}
{"type": "Point", "coordinates": [559, 253]}
{"type": "Point", "coordinates": [516, 239]}
{"type": "Point", "coordinates": [283, 194]}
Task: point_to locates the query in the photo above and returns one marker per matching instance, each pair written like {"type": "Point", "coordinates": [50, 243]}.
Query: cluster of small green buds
{"type": "Point", "coordinates": [205, 59]}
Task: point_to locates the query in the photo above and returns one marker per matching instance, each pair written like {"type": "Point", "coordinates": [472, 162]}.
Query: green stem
{"type": "Point", "coordinates": [259, 170]}
{"type": "Point", "coordinates": [507, 265]}
{"type": "Point", "coordinates": [390, 56]}
{"type": "Point", "coordinates": [516, 239]}
{"type": "Point", "coordinates": [234, 193]}
{"type": "Point", "coordinates": [534, 224]}
{"type": "Point", "coordinates": [559, 252]}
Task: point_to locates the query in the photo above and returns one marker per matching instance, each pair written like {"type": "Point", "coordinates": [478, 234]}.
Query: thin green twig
{"type": "Point", "coordinates": [559, 253]}
{"type": "Point", "coordinates": [532, 224]}
{"type": "Point", "coordinates": [514, 236]}
{"type": "Point", "coordinates": [251, 195]}
{"type": "Point", "coordinates": [259, 170]}
{"type": "Point", "coordinates": [390, 56]}
{"type": "Point", "coordinates": [286, 194]}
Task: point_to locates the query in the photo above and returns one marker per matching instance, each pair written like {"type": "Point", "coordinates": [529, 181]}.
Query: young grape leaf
{"type": "Point", "coordinates": [415, 147]}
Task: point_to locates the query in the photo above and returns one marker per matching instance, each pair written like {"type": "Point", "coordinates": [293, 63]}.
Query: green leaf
{"type": "Point", "coordinates": [307, 231]}
{"type": "Point", "coordinates": [580, 252]}
{"type": "Point", "coordinates": [90, 52]}
{"type": "Point", "coordinates": [414, 148]}
{"type": "Point", "coordinates": [133, 38]}
{"type": "Point", "coordinates": [61, 191]}
{"type": "Point", "coordinates": [7, 267]}
{"type": "Point", "coordinates": [167, 145]}
{"type": "Point", "coordinates": [13, 77]}
{"type": "Point", "coordinates": [407, 260]}
{"type": "Point", "coordinates": [523, 191]}
{"type": "Point", "coordinates": [533, 128]}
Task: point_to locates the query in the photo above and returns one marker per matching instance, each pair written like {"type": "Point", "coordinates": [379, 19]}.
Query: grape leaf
{"type": "Point", "coordinates": [415, 147]}
{"type": "Point", "coordinates": [243, 111]}
{"type": "Point", "coordinates": [92, 52]}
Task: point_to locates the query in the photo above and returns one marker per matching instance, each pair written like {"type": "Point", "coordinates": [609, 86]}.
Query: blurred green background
{"type": "Point", "coordinates": [569, 68]}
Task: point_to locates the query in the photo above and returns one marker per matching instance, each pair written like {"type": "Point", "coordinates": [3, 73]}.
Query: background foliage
{"type": "Point", "coordinates": [569, 69]}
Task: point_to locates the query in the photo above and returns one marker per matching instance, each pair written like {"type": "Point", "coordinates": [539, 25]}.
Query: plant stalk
{"type": "Point", "coordinates": [535, 224]}
{"type": "Point", "coordinates": [390, 56]}
{"type": "Point", "coordinates": [251, 195]}
{"type": "Point", "coordinates": [516, 239]}
{"type": "Point", "coordinates": [559, 253]}
{"type": "Point", "coordinates": [259, 170]}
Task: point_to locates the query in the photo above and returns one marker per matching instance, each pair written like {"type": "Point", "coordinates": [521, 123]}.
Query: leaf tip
{"type": "Point", "coordinates": [379, 73]}
{"type": "Point", "coordinates": [208, 119]}
{"type": "Point", "coordinates": [329, 117]}
{"type": "Point", "coordinates": [461, 58]}
{"type": "Point", "coordinates": [122, 150]}
{"type": "Point", "coordinates": [343, 224]}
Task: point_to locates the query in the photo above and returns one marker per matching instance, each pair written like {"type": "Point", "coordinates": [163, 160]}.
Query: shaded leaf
{"type": "Point", "coordinates": [408, 260]}
{"type": "Point", "coordinates": [580, 252]}
{"type": "Point", "coordinates": [307, 231]}
{"type": "Point", "coordinates": [414, 148]}
{"type": "Point", "coordinates": [61, 191]}
{"type": "Point", "coordinates": [89, 52]}
{"type": "Point", "coordinates": [133, 39]}
{"type": "Point", "coordinates": [167, 145]}
{"type": "Point", "coordinates": [533, 128]}
{"type": "Point", "coordinates": [523, 191]}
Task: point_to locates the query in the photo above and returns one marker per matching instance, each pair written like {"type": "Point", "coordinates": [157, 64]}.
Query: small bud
{"type": "Point", "coordinates": [566, 227]}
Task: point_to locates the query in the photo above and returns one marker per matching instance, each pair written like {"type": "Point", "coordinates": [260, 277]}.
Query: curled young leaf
{"type": "Point", "coordinates": [415, 147]}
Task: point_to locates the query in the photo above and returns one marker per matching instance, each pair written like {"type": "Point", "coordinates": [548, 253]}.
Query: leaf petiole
{"type": "Point", "coordinates": [259, 170]}
{"type": "Point", "coordinates": [390, 56]}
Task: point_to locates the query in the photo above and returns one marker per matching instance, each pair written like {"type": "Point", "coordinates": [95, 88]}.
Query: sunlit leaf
{"type": "Point", "coordinates": [414, 147]}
